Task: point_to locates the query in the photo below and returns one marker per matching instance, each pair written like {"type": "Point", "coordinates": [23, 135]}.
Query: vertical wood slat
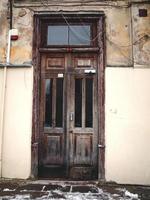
{"type": "Point", "coordinates": [65, 117]}
{"type": "Point", "coordinates": [42, 102]}
{"type": "Point", "coordinates": [83, 101]}
{"type": "Point", "coordinates": [36, 107]}
{"type": "Point", "coordinates": [95, 115]}
{"type": "Point", "coordinates": [71, 108]}
{"type": "Point", "coordinates": [101, 97]}
{"type": "Point", "coordinates": [54, 104]}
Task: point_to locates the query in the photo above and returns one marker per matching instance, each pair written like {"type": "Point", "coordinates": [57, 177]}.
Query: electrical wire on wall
{"type": "Point", "coordinates": [119, 47]}
{"type": "Point", "coordinates": [116, 45]}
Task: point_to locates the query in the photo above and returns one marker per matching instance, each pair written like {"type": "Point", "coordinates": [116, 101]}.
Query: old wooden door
{"type": "Point", "coordinates": [68, 116]}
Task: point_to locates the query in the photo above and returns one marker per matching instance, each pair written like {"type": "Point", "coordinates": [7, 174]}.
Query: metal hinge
{"type": "Point", "coordinates": [101, 146]}
{"type": "Point", "coordinates": [35, 144]}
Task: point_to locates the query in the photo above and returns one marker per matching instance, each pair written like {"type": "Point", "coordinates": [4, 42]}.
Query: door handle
{"type": "Point", "coordinates": [71, 116]}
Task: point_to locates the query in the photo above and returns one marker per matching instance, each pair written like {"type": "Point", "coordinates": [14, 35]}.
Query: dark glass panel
{"type": "Point", "coordinates": [79, 35]}
{"type": "Point", "coordinates": [89, 103]}
{"type": "Point", "coordinates": [59, 102]}
{"type": "Point", "coordinates": [78, 102]}
{"type": "Point", "coordinates": [57, 35]}
{"type": "Point", "coordinates": [48, 102]}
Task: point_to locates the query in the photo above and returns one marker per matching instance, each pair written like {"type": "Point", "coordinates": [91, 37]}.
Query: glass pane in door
{"type": "Point", "coordinates": [48, 102]}
{"type": "Point", "coordinates": [59, 102]}
{"type": "Point", "coordinates": [89, 103]}
{"type": "Point", "coordinates": [78, 102]}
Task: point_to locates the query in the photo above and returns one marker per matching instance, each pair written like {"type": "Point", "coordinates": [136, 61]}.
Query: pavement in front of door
{"type": "Point", "coordinates": [60, 190]}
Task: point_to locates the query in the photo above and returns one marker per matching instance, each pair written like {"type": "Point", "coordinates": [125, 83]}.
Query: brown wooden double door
{"type": "Point", "coordinates": [68, 116]}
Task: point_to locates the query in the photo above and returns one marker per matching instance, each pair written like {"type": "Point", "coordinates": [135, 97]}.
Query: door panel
{"type": "Point", "coordinates": [69, 118]}
{"type": "Point", "coordinates": [83, 149]}
{"type": "Point", "coordinates": [52, 131]}
{"type": "Point", "coordinates": [53, 150]}
{"type": "Point", "coordinates": [84, 126]}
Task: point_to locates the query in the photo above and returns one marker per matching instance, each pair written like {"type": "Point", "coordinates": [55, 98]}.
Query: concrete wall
{"type": "Point", "coordinates": [127, 91]}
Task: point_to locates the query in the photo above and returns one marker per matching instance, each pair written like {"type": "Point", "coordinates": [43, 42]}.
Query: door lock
{"type": "Point", "coordinates": [71, 116]}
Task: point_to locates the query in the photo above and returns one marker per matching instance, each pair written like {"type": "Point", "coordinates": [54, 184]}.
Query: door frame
{"type": "Point", "coordinates": [37, 21]}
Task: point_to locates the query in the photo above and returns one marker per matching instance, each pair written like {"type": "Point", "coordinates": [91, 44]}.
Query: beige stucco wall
{"type": "Point", "coordinates": [127, 92]}
{"type": "Point", "coordinates": [127, 113]}
{"type": "Point", "coordinates": [1, 91]}
{"type": "Point", "coordinates": [16, 158]}
{"type": "Point", "coordinates": [127, 127]}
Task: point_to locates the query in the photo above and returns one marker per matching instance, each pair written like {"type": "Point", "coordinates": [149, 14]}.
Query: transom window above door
{"type": "Point", "coordinates": [69, 35]}
{"type": "Point", "coordinates": [69, 32]}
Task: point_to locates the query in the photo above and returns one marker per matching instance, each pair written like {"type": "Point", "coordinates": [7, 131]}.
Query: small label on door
{"type": "Point", "coordinates": [84, 62]}
{"type": "Point", "coordinates": [60, 75]}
